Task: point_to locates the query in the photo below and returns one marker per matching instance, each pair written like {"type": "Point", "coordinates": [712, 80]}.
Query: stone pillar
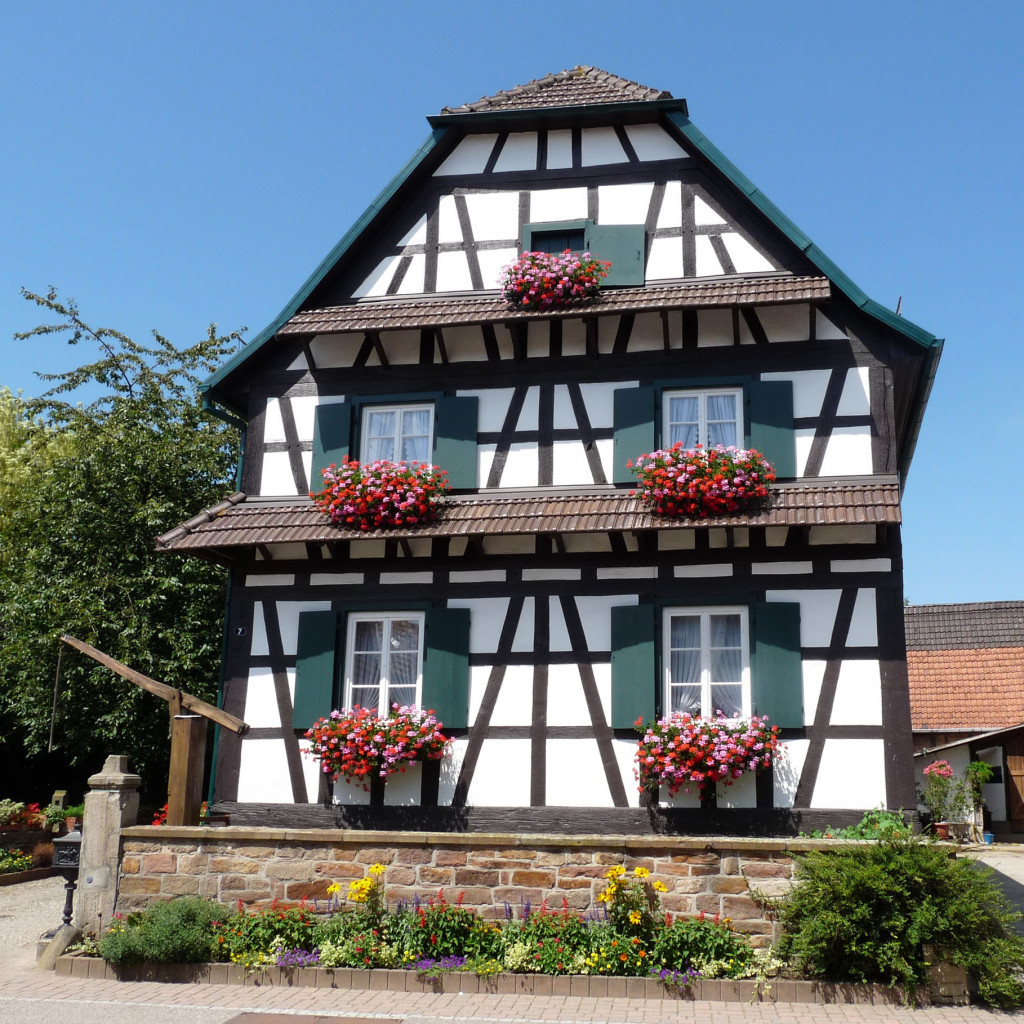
{"type": "Point", "coordinates": [111, 805]}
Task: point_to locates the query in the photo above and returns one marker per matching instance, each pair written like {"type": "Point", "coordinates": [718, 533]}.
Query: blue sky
{"type": "Point", "coordinates": [173, 165]}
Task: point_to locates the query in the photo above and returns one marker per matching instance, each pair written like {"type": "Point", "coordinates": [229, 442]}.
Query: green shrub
{"type": "Point", "coordinates": [9, 809]}
{"type": "Point", "coordinates": [877, 912]}
{"type": "Point", "coordinates": [256, 931]}
{"type": "Point", "coordinates": [876, 824]}
{"type": "Point", "coordinates": [177, 931]}
{"type": "Point", "coordinates": [705, 943]}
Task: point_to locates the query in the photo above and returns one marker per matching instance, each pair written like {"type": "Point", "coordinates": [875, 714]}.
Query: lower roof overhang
{"type": "Point", "coordinates": [241, 522]}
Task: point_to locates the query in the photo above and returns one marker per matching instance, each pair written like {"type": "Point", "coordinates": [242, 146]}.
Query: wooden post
{"type": "Point", "coordinates": [185, 783]}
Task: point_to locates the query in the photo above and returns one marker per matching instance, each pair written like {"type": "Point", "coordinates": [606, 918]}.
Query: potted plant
{"type": "Point", "coordinates": [358, 745]}
{"type": "Point", "coordinates": [544, 280]}
{"type": "Point", "coordinates": [701, 481]}
{"type": "Point", "coordinates": [683, 750]}
{"type": "Point", "coordinates": [368, 496]}
{"type": "Point", "coordinates": [945, 797]}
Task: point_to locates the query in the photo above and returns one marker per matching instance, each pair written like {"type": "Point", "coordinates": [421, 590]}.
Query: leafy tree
{"type": "Point", "coordinates": [84, 491]}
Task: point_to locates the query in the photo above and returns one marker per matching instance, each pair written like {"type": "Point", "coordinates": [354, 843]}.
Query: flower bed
{"type": "Point", "coordinates": [357, 745]}
{"type": "Point", "coordinates": [682, 750]}
{"type": "Point", "coordinates": [542, 280]}
{"type": "Point", "coordinates": [702, 481]}
{"type": "Point", "coordinates": [381, 494]}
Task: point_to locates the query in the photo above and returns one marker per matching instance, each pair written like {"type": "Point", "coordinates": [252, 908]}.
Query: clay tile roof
{"type": "Point", "coordinates": [441, 311]}
{"type": "Point", "coordinates": [240, 522]}
{"type": "Point", "coordinates": [966, 665]}
{"type": "Point", "coordinates": [576, 87]}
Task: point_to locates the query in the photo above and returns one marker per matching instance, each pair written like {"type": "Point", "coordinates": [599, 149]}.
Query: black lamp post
{"type": "Point", "coordinates": [66, 856]}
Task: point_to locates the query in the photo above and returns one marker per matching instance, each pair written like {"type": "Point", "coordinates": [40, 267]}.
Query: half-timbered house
{"type": "Point", "coordinates": [546, 610]}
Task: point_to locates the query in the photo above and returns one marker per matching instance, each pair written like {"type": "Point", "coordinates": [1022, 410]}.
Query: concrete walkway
{"type": "Point", "coordinates": [28, 995]}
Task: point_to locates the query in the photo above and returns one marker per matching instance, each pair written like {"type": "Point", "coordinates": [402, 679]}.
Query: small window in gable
{"type": "Point", "coordinates": [384, 659]}
{"type": "Point", "coordinates": [707, 661]}
{"type": "Point", "coordinates": [707, 418]}
{"type": "Point", "coordinates": [622, 245]}
{"type": "Point", "coordinates": [397, 433]}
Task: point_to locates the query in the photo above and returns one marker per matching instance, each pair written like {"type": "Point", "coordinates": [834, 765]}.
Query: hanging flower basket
{"type": "Point", "coordinates": [544, 280]}
{"type": "Point", "coordinates": [357, 745]}
{"type": "Point", "coordinates": [702, 481]}
{"type": "Point", "coordinates": [686, 750]}
{"type": "Point", "coordinates": [381, 494]}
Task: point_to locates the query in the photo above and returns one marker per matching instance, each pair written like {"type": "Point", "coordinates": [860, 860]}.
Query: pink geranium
{"type": "Point", "coordinates": [542, 280]}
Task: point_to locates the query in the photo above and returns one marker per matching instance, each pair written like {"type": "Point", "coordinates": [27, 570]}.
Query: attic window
{"type": "Point", "coordinates": [621, 244]}
{"type": "Point", "coordinates": [557, 241]}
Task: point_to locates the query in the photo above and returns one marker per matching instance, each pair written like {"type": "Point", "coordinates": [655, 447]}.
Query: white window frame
{"type": "Point", "coordinates": [705, 614]}
{"type": "Point", "coordinates": [702, 395]}
{"type": "Point", "coordinates": [350, 642]}
{"type": "Point", "coordinates": [397, 409]}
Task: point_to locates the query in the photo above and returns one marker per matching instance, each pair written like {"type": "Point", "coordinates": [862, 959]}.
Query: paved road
{"type": "Point", "coordinates": [31, 996]}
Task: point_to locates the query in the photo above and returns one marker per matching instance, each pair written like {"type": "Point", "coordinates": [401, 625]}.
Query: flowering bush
{"type": "Point", "coordinates": [702, 481]}
{"type": "Point", "coordinates": [681, 749]}
{"type": "Point", "coordinates": [946, 797]}
{"type": "Point", "coordinates": [357, 744]}
{"type": "Point", "coordinates": [381, 493]}
{"type": "Point", "coordinates": [541, 280]}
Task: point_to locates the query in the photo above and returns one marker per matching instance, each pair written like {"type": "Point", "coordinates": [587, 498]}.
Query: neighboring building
{"type": "Point", "coordinates": [966, 670]}
{"type": "Point", "coordinates": [546, 610]}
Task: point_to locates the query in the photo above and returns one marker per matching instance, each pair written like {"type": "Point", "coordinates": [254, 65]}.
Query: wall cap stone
{"type": "Point", "coordinates": [361, 837]}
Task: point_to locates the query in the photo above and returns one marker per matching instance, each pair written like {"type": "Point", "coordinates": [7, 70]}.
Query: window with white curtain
{"type": "Point", "coordinates": [384, 659]}
{"type": "Point", "coordinates": [397, 433]}
{"type": "Point", "coordinates": [707, 661]}
{"type": "Point", "coordinates": [708, 418]}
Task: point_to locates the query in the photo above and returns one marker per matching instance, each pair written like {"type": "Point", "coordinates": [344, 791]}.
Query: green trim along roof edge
{"type": "Point", "coordinates": [675, 112]}
{"type": "Point", "coordinates": [326, 263]}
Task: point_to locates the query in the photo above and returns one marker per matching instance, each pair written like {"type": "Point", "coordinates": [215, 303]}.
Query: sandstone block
{"type": "Point", "coordinates": [130, 865]}
{"type": "Point", "coordinates": [730, 865]}
{"type": "Point", "coordinates": [337, 869]}
{"type": "Point", "coordinates": [139, 886]}
{"type": "Point", "coordinates": [546, 879]}
{"type": "Point", "coordinates": [582, 871]}
{"type": "Point", "coordinates": [193, 864]}
{"type": "Point", "coordinates": [380, 855]}
{"type": "Point", "coordinates": [411, 855]}
{"type": "Point", "coordinates": [401, 876]}
{"type": "Point", "coordinates": [767, 869]}
{"type": "Point", "coordinates": [740, 908]}
{"type": "Point", "coordinates": [436, 876]}
{"type": "Point", "coordinates": [288, 871]}
{"type": "Point", "coordinates": [473, 876]}
{"type": "Point", "coordinates": [181, 885]}
{"type": "Point", "coordinates": [549, 858]}
{"type": "Point", "coordinates": [450, 858]}
{"type": "Point", "coordinates": [709, 903]}
{"type": "Point", "coordinates": [727, 883]}
{"type": "Point", "coordinates": [159, 863]}
{"type": "Point", "coordinates": [233, 865]}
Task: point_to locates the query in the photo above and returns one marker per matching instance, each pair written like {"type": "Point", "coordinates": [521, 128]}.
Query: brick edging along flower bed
{"type": "Point", "coordinates": [776, 990]}
{"type": "Point", "coordinates": [29, 875]}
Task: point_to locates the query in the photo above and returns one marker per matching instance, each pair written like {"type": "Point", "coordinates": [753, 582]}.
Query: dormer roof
{"type": "Point", "coordinates": [580, 86]}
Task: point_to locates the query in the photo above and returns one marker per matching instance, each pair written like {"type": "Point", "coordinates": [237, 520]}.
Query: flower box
{"type": "Point", "coordinates": [701, 481]}
{"type": "Point", "coordinates": [375, 495]}
{"type": "Point", "coordinates": [543, 280]}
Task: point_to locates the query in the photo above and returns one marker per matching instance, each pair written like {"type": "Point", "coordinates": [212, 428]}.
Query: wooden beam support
{"type": "Point", "coordinates": [161, 690]}
{"type": "Point", "coordinates": [185, 781]}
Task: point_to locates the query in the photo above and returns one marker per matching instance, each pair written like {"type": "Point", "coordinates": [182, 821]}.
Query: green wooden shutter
{"type": "Point", "coordinates": [634, 430]}
{"type": "Point", "coordinates": [455, 421]}
{"type": "Point", "coordinates": [332, 435]}
{"type": "Point", "coordinates": [623, 246]}
{"type": "Point", "coordinates": [770, 424]}
{"type": "Point", "coordinates": [634, 666]}
{"type": "Point", "coordinates": [314, 667]}
{"type": "Point", "coordinates": [778, 690]}
{"type": "Point", "coordinates": [446, 666]}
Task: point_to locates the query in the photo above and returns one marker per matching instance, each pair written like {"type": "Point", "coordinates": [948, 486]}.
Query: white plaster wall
{"type": "Point", "coordinates": [522, 642]}
{"type": "Point", "coordinates": [624, 204]}
{"type": "Point", "coordinates": [450, 768]}
{"type": "Point", "coordinates": [276, 475]}
{"type": "Point", "coordinates": [502, 776]}
{"type": "Point", "coordinates": [826, 330]}
{"type": "Point", "coordinates": [492, 262]}
{"type": "Point", "coordinates": [808, 389]}
{"type": "Point", "coordinates": [994, 793]}
{"type": "Point", "coordinates": [553, 204]}
{"type": "Point", "coordinates": [469, 156]}
{"type": "Point", "coordinates": [453, 272]}
{"type": "Point", "coordinates": [559, 148]}
{"type": "Point", "coordinates": [569, 762]}
{"type": "Point", "coordinates": [745, 258]}
{"type": "Point", "coordinates": [855, 399]}
{"type": "Point", "coordinates": [602, 146]}
{"type": "Point", "coordinates": [261, 710]}
{"type": "Point", "coordinates": [848, 452]}
{"type": "Point", "coordinates": [858, 699]}
{"type": "Point", "coordinates": [665, 259]}
{"type": "Point", "coordinates": [596, 616]}
{"type": "Point", "coordinates": [263, 772]}
{"type": "Point", "coordinates": [486, 615]}
{"type": "Point", "coordinates": [789, 763]}
{"type": "Point", "coordinates": [813, 674]}
{"type": "Point", "coordinates": [569, 463]}
{"type": "Point", "coordinates": [310, 771]}
{"type": "Point", "coordinates": [349, 794]}
{"type": "Point", "coordinates": [519, 152]}
{"type": "Point", "coordinates": [851, 775]}
{"type": "Point", "coordinates": [567, 703]}
{"type": "Point", "coordinates": [671, 213]}
{"type": "Point", "coordinates": [514, 705]}
{"type": "Point", "coordinates": [652, 142]}
{"type": "Point", "coordinates": [708, 264]}
{"type": "Point", "coordinates": [448, 227]}
{"type": "Point", "coordinates": [703, 214]}
{"type": "Point", "coordinates": [784, 323]}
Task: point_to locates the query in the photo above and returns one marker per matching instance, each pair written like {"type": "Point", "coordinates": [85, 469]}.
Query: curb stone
{"type": "Point", "coordinates": [949, 989]}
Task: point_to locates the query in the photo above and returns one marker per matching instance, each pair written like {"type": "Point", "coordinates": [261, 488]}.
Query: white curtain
{"type": "Point", "coordinates": [721, 411]}
{"type": "Point", "coordinates": [685, 664]}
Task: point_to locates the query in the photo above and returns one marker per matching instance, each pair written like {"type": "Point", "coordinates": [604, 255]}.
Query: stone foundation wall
{"type": "Point", "coordinates": [716, 876]}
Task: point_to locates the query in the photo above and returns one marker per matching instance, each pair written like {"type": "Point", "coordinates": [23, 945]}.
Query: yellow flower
{"type": "Point", "coordinates": [333, 889]}
{"type": "Point", "coordinates": [634, 917]}
{"type": "Point", "coordinates": [641, 872]}
{"type": "Point", "coordinates": [378, 869]}
{"type": "Point", "coordinates": [616, 871]}
{"type": "Point", "coordinates": [659, 886]}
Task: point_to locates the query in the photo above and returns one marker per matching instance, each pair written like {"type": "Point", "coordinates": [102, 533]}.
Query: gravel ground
{"type": "Point", "coordinates": [26, 911]}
